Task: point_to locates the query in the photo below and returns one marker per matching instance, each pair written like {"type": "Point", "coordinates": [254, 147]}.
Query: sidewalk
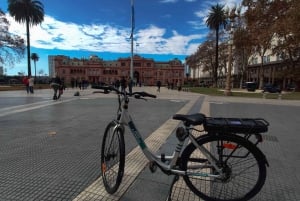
{"type": "Point", "coordinates": [72, 143]}
{"type": "Point", "coordinates": [141, 184]}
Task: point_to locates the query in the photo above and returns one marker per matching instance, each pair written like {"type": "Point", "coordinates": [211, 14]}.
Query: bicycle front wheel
{"type": "Point", "coordinates": [242, 164]}
{"type": "Point", "coordinates": [112, 157]}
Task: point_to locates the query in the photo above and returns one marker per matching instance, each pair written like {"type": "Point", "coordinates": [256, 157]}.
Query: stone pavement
{"type": "Point", "coordinates": [56, 178]}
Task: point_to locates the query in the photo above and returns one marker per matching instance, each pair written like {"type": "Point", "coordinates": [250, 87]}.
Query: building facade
{"type": "Point", "coordinates": [96, 70]}
{"type": "Point", "coordinates": [272, 69]}
{"type": "Point", "coordinates": [269, 69]}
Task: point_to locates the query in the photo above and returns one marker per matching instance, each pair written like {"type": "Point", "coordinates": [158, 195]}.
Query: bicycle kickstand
{"type": "Point", "coordinates": [175, 179]}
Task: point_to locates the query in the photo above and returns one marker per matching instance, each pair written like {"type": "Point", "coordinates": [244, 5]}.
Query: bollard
{"type": "Point", "coordinates": [264, 95]}
{"type": "Point", "coordinates": [279, 96]}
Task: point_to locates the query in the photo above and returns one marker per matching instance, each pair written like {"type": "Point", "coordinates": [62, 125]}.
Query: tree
{"type": "Point", "coordinates": [41, 72]}
{"type": "Point", "coordinates": [287, 32]}
{"type": "Point", "coordinates": [258, 19]}
{"type": "Point", "coordinates": [11, 46]}
{"type": "Point", "coordinates": [29, 11]}
{"type": "Point", "coordinates": [35, 57]}
{"type": "Point", "coordinates": [242, 51]}
{"type": "Point", "coordinates": [215, 20]}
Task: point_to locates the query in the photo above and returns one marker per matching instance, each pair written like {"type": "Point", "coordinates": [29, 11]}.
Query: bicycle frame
{"type": "Point", "coordinates": [125, 119]}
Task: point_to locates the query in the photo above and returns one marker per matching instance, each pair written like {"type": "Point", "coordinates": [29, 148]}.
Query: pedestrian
{"type": "Point", "coordinates": [123, 84]}
{"type": "Point", "coordinates": [25, 81]}
{"type": "Point", "coordinates": [130, 85]}
{"type": "Point", "coordinates": [31, 84]}
{"type": "Point", "coordinates": [158, 84]}
{"type": "Point", "coordinates": [72, 83]}
{"type": "Point", "coordinates": [56, 85]}
{"type": "Point", "coordinates": [117, 84]}
{"type": "Point", "coordinates": [178, 86]}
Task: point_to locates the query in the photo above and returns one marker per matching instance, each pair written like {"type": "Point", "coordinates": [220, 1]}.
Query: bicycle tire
{"type": "Point", "coordinates": [112, 157]}
{"type": "Point", "coordinates": [244, 178]}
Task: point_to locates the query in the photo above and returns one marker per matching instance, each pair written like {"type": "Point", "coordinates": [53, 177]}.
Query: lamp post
{"type": "Point", "coordinates": [232, 15]}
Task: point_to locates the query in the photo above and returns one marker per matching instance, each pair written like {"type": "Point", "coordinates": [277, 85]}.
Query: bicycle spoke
{"type": "Point", "coordinates": [112, 158]}
{"type": "Point", "coordinates": [242, 174]}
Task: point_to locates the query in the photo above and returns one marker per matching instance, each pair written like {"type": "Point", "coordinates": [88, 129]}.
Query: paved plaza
{"type": "Point", "coordinates": [50, 150]}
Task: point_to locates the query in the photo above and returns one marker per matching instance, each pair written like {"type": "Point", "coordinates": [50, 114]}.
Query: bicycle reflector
{"type": "Point", "coordinates": [229, 146]}
{"type": "Point", "coordinates": [103, 167]}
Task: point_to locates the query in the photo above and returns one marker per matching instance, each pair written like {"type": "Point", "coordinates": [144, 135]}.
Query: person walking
{"type": "Point", "coordinates": [25, 81]}
{"type": "Point", "coordinates": [56, 85]}
{"type": "Point", "coordinates": [123, 84]}
{"type": "Point", "coordinates": [178, 86]}
{"type": "Point", "coordinates": [31, 84]}
{"type": "Point", "coordinates": [158, 84]}
{"type": "Point", "coordinates": [130, 85]}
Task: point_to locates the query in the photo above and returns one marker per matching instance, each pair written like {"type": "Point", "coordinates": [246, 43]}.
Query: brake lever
{"type": "Point", "coordinates": [102, 92]}
{"type": "Point", "coordinates": [137, 96]}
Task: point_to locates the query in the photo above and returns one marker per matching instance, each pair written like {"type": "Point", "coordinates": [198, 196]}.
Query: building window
{"type": "Point", "coordinates": [279, 57]}
{"type": "Point", "coordinates": [137, 64]}
{"type": "Point", "coordinates": [254, 60]}
{"type": "Point", "coordinates": [266, 59]}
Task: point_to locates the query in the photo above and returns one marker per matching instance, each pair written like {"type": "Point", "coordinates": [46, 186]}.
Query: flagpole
{"type": "Point", "coordinates": [132, 29]}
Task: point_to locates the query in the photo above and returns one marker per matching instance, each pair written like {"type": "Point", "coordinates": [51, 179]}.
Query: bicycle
{"type": "Point", "coordinates": [223, 164]}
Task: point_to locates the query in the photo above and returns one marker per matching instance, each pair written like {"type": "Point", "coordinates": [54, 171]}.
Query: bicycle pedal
{"type": "Point", "coordinates": [152, 167]}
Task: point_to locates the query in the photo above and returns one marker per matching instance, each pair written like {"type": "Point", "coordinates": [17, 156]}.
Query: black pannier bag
{"type": "Point", "coordinates": [236, 125]}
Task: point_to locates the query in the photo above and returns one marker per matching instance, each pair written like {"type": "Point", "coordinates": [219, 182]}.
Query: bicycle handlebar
{"type": "Point", "coordinates": [137, 95]}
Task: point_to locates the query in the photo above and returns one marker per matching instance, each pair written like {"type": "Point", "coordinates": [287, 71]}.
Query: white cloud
{"type": "Point", "coordinates": [202, 14]}
{"type": "Point", "coordinates": [54, 34]}
{"type": "Point", "coordinates": [168, 1]}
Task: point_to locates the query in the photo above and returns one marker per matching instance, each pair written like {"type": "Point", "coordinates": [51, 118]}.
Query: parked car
{"type": "Point", "coordinates": [291, 87]}
{"type": "Point", "coordinates": [250, 86]}
{"type": "Point", "coordinates": [271, 88]}
{"type": "Point", "coordinates": [203, 84]}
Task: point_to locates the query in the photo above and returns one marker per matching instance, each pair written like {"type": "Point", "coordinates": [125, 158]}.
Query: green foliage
{"type": "Point", "coordinates": [26, 11]}
{"type": "Point", "coordinates": [215, 20]}
{"type": "Point", "coordinates": [11, 46]}
{"type": "Point", "coordinates": [218, 92]}
{"type": "Point", "coordinates": [30, 12]}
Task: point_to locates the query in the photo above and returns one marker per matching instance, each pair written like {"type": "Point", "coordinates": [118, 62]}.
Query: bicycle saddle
{"type": "Point", "coordinates": [190, 119]}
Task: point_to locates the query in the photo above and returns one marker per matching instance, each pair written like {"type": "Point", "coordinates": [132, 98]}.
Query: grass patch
{"type": "Point", "coordinates": [218, 92]}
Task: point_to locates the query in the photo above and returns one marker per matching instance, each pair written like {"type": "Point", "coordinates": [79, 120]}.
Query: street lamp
{"type": "Point", "coordinates": [231, 15]}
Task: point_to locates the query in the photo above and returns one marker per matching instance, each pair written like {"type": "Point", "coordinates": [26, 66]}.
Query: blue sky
{"type": "Point", "coordinates": [164, 29]}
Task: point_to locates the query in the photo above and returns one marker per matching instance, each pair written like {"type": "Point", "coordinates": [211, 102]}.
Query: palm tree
{"type": "Point", "coordinates": [216, 18]}
{"type": "Point", "coordinates": [35, 57]}
{"type": "Point", "coordinates": [29, 11]}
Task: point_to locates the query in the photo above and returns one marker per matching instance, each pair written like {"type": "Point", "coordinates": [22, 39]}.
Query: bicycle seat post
{"type": "Point", "coordinates": [181, 136]}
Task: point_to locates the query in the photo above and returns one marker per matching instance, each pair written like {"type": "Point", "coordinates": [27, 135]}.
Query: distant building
{"type": "Point", "coordinates": [269, 69]}
{"type": "Point", "coordinates": [51, 65]}
{"type": "Point", "coordinates": [96, 70]}
{"type": "Point", "coordinates": [275, 70]}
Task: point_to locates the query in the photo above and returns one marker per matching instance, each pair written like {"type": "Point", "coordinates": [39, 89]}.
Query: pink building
{"type": "Point", "coordinates": [95, 70]}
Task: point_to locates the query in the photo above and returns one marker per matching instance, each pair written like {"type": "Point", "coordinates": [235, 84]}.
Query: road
{"type": "Point", "coordinates": [50, 150]}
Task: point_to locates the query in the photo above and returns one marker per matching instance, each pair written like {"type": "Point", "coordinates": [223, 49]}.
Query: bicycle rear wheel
{"type": "Point", "coordinates": [242, 163]}
{"type": "Point", "coordinates": [112, 157]}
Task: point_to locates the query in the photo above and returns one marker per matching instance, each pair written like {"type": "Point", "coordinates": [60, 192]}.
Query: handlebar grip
{"type": "Point", "coordinates": [145, 94]}
{"type": "Point", "coordinates": [106, 88]}
{"type": "Point", "coordinates": [100, 87]}
{"type": "Point", "coordinates": [152, 96]}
